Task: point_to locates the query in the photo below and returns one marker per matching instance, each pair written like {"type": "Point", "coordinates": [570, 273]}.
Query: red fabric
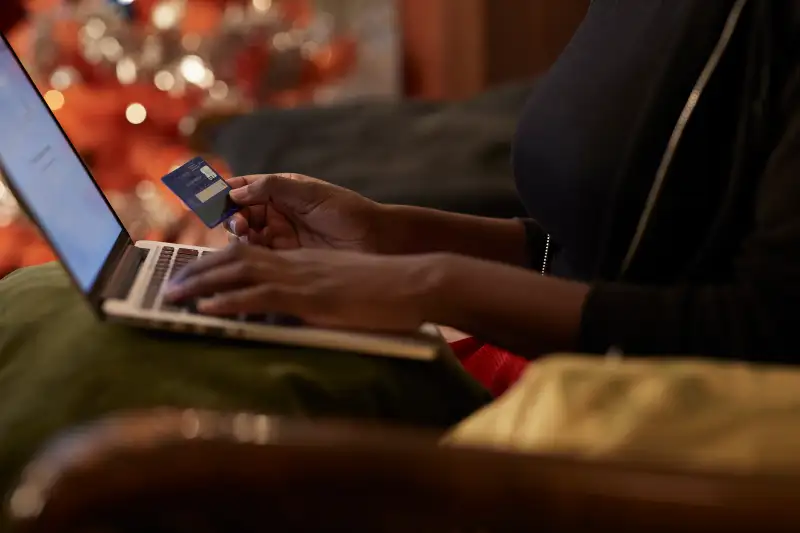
{"type": "Point", "coordinates": [495, 369]}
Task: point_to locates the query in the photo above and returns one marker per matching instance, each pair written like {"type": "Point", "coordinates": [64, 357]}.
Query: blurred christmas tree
{"type": "Point", "coordinates": [128, 80]}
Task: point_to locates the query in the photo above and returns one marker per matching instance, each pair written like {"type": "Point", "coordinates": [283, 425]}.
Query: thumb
{"type": "Point", "coordinates": [260, 190]}
{"type": "Point", "coordinates": [245, 197]}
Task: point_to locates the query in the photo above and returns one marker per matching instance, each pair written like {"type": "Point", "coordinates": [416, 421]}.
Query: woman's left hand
{"type": "Point", "coordinates": [322, 287]}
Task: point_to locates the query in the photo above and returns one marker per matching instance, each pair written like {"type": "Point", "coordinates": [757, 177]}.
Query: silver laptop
{"type": "Point", "coordinates": [123, 280]}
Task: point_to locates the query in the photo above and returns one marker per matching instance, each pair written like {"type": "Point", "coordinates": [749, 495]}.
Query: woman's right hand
{"type": "Point", "coordinates": [288, 211]}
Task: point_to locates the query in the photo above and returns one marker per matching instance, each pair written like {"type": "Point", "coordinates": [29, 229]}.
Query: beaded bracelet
{"type": "Point", "coordinates": [546, 256]}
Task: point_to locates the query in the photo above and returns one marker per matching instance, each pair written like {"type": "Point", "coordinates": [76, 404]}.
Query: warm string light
{"type": "Point", "coordinates": [262, 5]}
{"type": "Point", "coordinates": [63, 77]}
{"type": "Point", "coordinates": [164, 81]}
{"type": "Point", "coordinates": [193, 69]}
{"type": "Point", "coordinates": [127, 71]}
{"type": "Point", "coordinates": [219, 91]}
{"type": "Point", "coordinates": [136, 113]}
{"type": "Point", "coordinates": [167, 15]}
{"type": "Point", "coordinates": [55, 99]}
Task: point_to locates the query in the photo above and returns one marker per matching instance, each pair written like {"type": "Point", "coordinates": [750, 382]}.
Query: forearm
{"type": "Point", "coordinates": [510, 307]}
{"type": "Point", "coordinates": [415, 230]}
{"type": "Point", "coordinates": [751, 319]}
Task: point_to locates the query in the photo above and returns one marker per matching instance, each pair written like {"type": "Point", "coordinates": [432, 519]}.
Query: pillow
{"type": "Point", "coordinates": [60, 366]}
{"type": "Point", "coordinates": [693, 413]}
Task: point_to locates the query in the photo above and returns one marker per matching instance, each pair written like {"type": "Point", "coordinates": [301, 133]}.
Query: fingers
{"type": "Point", "coordinates": [252, 217]}
{"type": "Point", "coordinates": [240, 181]}
{"type": "Point", "coordinates": [235, 281]}
{"type": "Point", "coordinates": [260, 221]}
{"type": "Point", "coordinates": [273, 230]}
{"type": "Point", "coordinates": [216, 260]}
{"type": "Point", "coordinates": [256, 238]}
{"type": "Point", "coordinates": [253, 300]}
{"type": "Point", "coordinates": [238, 224]}
{"type": "Point", "coordinates": [254, 190]}
{"type": "Point", "coordinates": [238, 266]}
{"type": "Point", "coordinates": [291, 190]}
{"type": "Point", "coordinates": [225, 278]}
{"type": "Point", "coordinates": [243, 181]}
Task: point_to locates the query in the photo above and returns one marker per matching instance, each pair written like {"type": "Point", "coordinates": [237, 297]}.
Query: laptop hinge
{"type": "Point", "coordinates": [121, 282]}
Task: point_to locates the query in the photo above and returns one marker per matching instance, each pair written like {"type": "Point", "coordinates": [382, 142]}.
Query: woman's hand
{"type": "Point", "coordinates": [511, 307]}
{"type": "Point", "coordinates": [289, 211]}
{"type": "Point", "coordinates": [322, 287]}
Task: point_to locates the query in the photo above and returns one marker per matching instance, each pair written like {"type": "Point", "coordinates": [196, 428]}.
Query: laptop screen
{"type": "Point", "coordinates": [49, 178]}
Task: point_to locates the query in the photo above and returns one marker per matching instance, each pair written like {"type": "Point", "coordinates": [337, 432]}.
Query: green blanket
{"type": "Point", "coordinates": [60, 366]}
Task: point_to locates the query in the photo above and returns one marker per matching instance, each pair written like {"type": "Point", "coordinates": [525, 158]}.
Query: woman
{"type": "Point", "coordinates": [660, 159]}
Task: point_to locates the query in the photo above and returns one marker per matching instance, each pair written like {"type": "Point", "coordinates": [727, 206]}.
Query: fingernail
{"type": "Point", "coordinates": [233, 226]}
{"type": "Point", "coordinates": [239, 194]}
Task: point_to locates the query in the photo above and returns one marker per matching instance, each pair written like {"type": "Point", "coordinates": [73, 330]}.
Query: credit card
{"type": "Point", "coordinates": [202, 190]}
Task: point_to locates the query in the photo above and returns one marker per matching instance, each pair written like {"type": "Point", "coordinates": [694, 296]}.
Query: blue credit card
{"type": "Point", "coordinates": [202, 190]}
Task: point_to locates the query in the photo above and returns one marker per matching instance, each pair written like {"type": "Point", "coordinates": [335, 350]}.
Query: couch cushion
{"type": "Point", "coordinates": [454, 157]}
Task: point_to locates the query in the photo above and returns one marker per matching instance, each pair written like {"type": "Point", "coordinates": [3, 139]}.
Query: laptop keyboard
{"type": "Point", "coordinates": [159, 276]}
{"type": "Point", "coordinates": [166, 269]}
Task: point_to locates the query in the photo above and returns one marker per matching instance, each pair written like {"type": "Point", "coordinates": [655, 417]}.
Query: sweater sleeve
{"type": "Point", "coordinates": [755, 316]}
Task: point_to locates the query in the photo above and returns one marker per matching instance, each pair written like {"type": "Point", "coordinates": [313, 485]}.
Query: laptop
{"type": "Point", "coordinates": [123, 280]}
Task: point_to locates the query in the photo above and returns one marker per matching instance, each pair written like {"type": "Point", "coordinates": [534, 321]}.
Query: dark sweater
{"type": "Point", "coordinates": [711, 265]}
{"type": "Point", "coordinates": [573, 135]}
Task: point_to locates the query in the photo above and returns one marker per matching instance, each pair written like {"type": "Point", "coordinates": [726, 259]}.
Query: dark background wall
{"type": "Point", "coordinates": [455, 48]}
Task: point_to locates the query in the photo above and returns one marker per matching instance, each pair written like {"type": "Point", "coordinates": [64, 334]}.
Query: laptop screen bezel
{"type": "Point", "coordinates": [95, 293]}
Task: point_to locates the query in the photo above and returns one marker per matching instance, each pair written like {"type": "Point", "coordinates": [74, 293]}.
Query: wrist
{"type": "Point", "coordinates": [512, 307]}
{"type": "Point", "coordinates": [378, 219]}
{"type": "Point", "coordinates": [405, 230]}
{"type": "Point", "coordinates": [439, 295]}
{"type": "Point", "coordinates": [408, 230]}
{"type": "Point", "coordinates": [383, 223]}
